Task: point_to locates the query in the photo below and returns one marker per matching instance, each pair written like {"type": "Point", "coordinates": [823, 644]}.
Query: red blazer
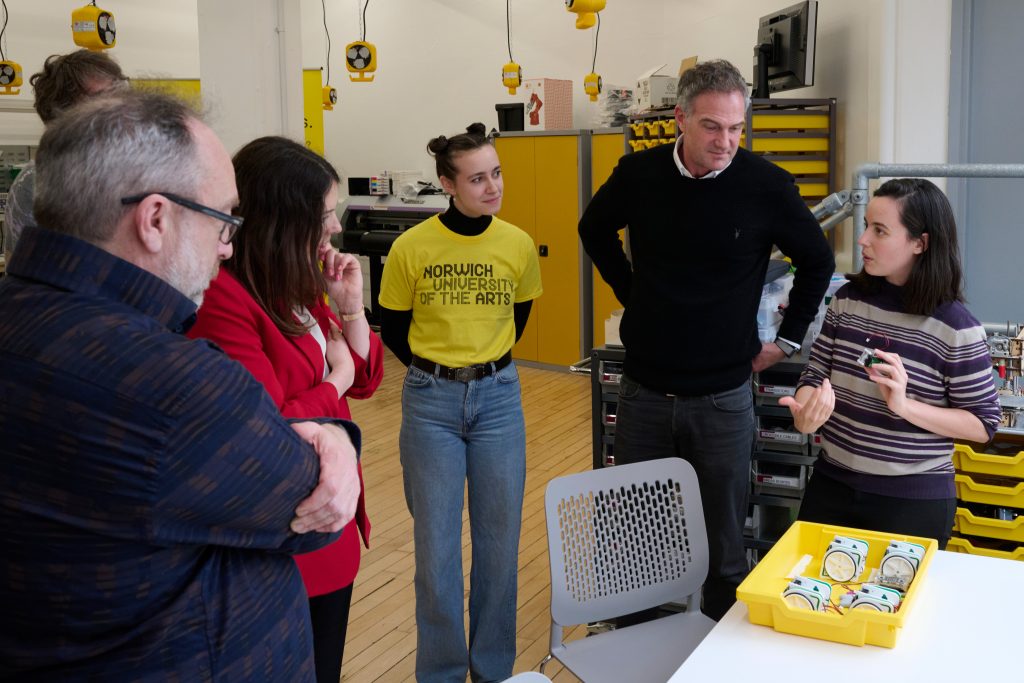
{"type": "Point", "coordinates": [292, 370]}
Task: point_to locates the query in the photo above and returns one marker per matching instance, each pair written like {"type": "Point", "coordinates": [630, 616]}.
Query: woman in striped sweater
{"type": "Point", "coordinates": [901, 369]}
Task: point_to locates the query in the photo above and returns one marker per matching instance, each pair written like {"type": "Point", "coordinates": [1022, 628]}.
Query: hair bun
{"type": "Point", "coordinates": [438, 145]}
{"type": "Point", "coordinates": [476, 129]}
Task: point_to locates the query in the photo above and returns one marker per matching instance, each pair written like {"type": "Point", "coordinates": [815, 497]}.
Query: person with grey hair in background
{"type": "Point", "coordinates": [151, 494]}
{"type": "Point", "coordinates": [64, 81]}
{"type": "Point", "coordinates": [703, 215]}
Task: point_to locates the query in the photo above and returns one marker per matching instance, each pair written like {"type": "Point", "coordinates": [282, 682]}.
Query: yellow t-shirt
{"type": "Point", "coordinates": [460, 289]}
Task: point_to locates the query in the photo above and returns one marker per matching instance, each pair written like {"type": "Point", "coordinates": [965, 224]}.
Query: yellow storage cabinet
{"type": "Point", "coordinates": [606, 149]}
{"type": "Point", "coordinates": [542, 180]}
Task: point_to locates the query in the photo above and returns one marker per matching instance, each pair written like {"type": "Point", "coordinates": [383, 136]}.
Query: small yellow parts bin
{"type": "Point", "coordinates": [965, 459]}
{"type": "Point", "coordinates": [963, 545]}
{"type": "Point", "coordinates": [990, 485]}
{"type": "Point", "coordinates": [998, 492]}
{"type": "Point", "coordinates": [966, 522]}
{"type": "Point", "coordinates": [802, 548]}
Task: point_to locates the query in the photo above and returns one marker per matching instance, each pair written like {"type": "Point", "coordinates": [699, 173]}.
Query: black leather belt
{"type": "Point", "coordinates": [465, 374]}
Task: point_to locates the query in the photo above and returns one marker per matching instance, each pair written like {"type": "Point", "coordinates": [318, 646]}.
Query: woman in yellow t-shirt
{"type": "Point", "coordinates": [455, 296]}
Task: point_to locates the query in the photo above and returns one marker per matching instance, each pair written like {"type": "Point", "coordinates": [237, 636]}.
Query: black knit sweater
{"type": "Point", "coordinates": [699, 251]}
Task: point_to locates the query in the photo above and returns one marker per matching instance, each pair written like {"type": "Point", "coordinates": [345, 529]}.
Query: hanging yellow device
{"type": "Point", "coordinates": [330, 98]}
{"type": "Point", "coordinates": [511, 77]}
{"type": "Point", "coordinates": [592, 86]}
{"type": "Point", "coordinates": [93, 28]}
{"type": "Point", "coordinates": [585, 11]}
{"type": "Point", "coordinates": [361, 60]}
{"type": "Point", "coordinates": [10, 77]}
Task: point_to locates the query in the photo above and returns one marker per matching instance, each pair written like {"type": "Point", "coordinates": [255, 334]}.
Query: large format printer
{"type": "Point", "coordinates": [372, 224]}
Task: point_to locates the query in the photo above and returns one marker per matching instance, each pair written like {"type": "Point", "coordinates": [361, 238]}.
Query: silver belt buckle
{"type": "Point", "coordinates": [466, 374]}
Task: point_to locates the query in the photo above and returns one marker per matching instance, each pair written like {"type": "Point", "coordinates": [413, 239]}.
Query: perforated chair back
{"type": "Point", "coordinates": [623, 539]}
{"type": "Point", "coordinates": [528, 677]}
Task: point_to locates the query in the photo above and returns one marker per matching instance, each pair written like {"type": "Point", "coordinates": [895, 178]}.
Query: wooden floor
{"type": "Point", "coordinates": [382, 628]}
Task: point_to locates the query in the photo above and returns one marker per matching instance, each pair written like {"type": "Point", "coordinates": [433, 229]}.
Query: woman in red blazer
{"type": "Point", "coordinates": [267, 309]}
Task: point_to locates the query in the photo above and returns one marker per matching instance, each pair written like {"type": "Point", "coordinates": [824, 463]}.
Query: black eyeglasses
{"type": "Point", "coordinates": [231, 223]}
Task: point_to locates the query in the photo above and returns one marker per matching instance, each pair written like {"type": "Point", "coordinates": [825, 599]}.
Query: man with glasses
{"type": "Point", "coordinates": [189, 264]}
{"type": "Point", "coordinates": [151, 495]}
{"type": "Point", "coordinates": [227, 231]}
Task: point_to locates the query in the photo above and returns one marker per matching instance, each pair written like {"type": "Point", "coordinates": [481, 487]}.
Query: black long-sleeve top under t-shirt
{"type": "Point", "coordinates": [700, 249]}
{"type": "Point", "coordinates": [394, 325]}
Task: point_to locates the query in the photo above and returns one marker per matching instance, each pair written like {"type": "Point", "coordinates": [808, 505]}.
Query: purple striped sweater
{"type": "Point", "coordinates": [867, 446]}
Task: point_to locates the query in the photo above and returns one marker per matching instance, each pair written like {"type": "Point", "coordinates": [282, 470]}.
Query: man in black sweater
{"type": "Point", "coordinates": [703, 215]}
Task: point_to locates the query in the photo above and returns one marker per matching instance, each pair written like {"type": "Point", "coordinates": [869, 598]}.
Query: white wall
{"type": "Point", "coordinates": [250, 55]}
{"type": "Point", "coordinates": [155, 39]}
{"type": "Point", "coordinates": [921, 83]}
{"type": "Point", "coordinates": [440, 68]}
{"type": "Point", "coordinates": [886, 61]}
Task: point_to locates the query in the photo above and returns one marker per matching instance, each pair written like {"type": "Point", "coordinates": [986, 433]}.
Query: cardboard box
{"type": "Point", "coordinates": [654, 90]}
{"type": "Point", "coordinates": [687, 64]}
{"type": "Point", "coordinates": [548, 104]}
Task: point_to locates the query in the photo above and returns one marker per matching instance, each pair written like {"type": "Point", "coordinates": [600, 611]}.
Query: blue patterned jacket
{"type": "Point", "coordinates": [146, 486]}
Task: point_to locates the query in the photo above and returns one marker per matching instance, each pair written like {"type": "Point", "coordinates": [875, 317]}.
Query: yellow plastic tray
{"type": "Point", "coordinates": [798, 167]}
{"type": "Point", "coordinates": [968, 523]}
{"type": "Point", "coordinates": [962, 545]}
{"type": "Point", "coordinates": [812, 189]}
{"type": "Point", "coordinates": [1004, 496]}
{"type": "Point", "coordinates": [762, 589]}
{"type": "Point", "coordinates": [790, 144]}
{"type": "Point", "coordinates": [965, 459]}
{"type": "Point", "coordinates": [789, 121]}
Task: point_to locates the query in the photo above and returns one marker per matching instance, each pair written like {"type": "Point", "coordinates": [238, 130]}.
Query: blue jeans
{"type": "Point", "coordinates": [715, 434]}
{"type": "Point", "coordinates": [454, 432]}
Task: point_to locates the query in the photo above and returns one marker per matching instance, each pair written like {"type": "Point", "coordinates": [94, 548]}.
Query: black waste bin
{"type": "Point", "coordinates": [510, 116]}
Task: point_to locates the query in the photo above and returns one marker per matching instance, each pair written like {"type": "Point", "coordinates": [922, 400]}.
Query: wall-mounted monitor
{"type": "Point", "coordinates": [784, 54]}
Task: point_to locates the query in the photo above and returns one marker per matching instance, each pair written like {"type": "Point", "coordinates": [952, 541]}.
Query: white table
{"type": "Point", "coordinates": [967, 625]}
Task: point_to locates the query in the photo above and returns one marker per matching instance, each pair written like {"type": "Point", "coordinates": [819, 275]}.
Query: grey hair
{"type": "Point", "coordinates": [108, 148]}
{"type": "Point", "coordinates": [716, 75]}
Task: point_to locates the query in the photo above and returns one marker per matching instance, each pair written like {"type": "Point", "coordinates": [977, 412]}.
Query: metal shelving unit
{"type": "Point", "coordinates": [605, 374]}
{"type": "Point", "coordinates": [781, 461]}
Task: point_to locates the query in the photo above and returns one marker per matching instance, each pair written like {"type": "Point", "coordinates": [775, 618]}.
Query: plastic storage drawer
{"type": "Point", "coordinates": [806, 542]}
{"type": "Point", "coordinates": [965, 459]}
{"type": "Point", "coordinates": [775, 478]}
{"type": "Point", "coordinates": [962, 545]}
{"type": "Point", "coordinates": [972, 525]}
{"type": "Point", "coordinates": [1003, 496]}
{"type": "Point", "coordinates": [780, 434]}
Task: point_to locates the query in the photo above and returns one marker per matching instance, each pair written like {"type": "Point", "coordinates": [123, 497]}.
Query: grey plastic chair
{"type": "Point", "coordinates": [528, 677]}
{"type": "Point", "coordinates": [620, 540]}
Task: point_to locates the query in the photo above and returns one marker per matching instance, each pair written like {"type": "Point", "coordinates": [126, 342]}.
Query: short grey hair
{"type": "Point", "coordinates": [108, 148]}
{"type": "Point", "coordinates": [716, 75]}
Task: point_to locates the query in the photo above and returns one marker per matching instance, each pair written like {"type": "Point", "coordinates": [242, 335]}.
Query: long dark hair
{"type": "Point", "coordinates": [936, 276]}
{"type": "Point", "coordinates": [445, 149]}
{"type": "Point", "coordinates": [281, 189]}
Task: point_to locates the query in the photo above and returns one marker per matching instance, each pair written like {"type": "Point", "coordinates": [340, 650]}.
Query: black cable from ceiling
{"type": "Point", "coordinates": [327, 33]}
{"type": "Point", "coordinates": [508, 31]}
{"type": "Point", "coordinates": [3, 30]}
